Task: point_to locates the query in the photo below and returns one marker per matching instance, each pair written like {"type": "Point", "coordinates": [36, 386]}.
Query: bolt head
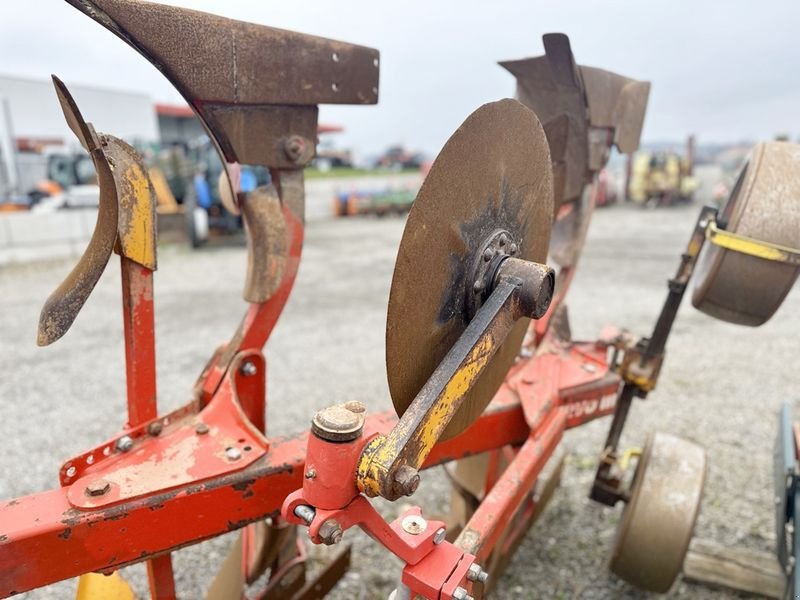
{"type": "Point", "coordinates": [233, 453]}
{"type": "Point", "coordinates": [248, 369]}
{"type": "Point", "coordinates": [330, 532]}
{"type": "Point", "coordinates": [414, 524]}
{"type": "Point", "coordinates": [488, 254]}
{"type": "Point", "coordinates": [125, 443]}
{"type": "Point", "coordinates": [311, 473]}
{"type": "Point", "coordinates": [295, 147]}
{"type": "Point", "coordinates": [337, 424]}
{"type": "Point", "coordinates": [98, 487]}
{"type": "Point", "coordinates": [476, 573]}
{"type": "Point", "coordinates": [513, 249]}
{"type": "Point", "coordinates": [201, 429]}
{"type": "Point", "coordinates": [439, 535]}
{"type": "Point", "coordinates": [460, 594]}
{"type": "Point", "coordinates": [406, 480]}
{"type": "Point", "coordinates": [155, 428]}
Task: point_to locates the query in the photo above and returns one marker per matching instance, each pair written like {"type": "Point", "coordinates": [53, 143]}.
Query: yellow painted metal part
{"type": "Point", "coordinates": [381, 454]}
{"type": "Point", "coordinates": [626, 457]}
{"type": "Point", "coordinates": [746, 245]}
{"type": "Point", "coordinates": [137, 203]}
{"type": "Point", "coordinates": [94, 586]}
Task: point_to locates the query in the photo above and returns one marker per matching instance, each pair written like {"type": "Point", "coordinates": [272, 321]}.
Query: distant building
{"type": "Point", "coordinates": [177, 124]}
{"type": "Point", "coordinates": [36, 117]}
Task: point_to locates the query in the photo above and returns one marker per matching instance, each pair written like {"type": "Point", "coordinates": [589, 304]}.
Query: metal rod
{"type": "Point", "coordinates": [410, 442]}
{"type": "Point", "coordinates": [140, 344]}
{"type": "Point", "coordinates": [654, 347]}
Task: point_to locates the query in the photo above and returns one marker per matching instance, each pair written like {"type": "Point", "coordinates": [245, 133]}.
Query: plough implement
{"type": "Point", "coordinates": [482, 369]}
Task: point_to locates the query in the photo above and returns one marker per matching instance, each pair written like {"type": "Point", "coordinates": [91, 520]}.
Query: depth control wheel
{"type": "Point", "coordinates": [744, 289]}
{"type": "Point", "coordinates": [657, 524]}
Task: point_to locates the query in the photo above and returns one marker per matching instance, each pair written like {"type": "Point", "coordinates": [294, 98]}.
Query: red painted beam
{"type": "Point", "coordinates": [44, 540]}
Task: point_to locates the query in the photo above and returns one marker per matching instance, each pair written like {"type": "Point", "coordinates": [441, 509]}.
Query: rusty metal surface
{"type": "Point", "coordinates": [232, 73]}
{"type": "Point", "coordinates": [618, 103]}
{"type": "Point", "coordinates": [261, 135]}
{"type": "Point", "coordinates": [267, 244]}
{"type": "Point", "coordinates": [657, 524]}
{"type": "Point", "coordinates": [764, 205]}
{"type": "Point", "coordinates": [551, 86]}
{"type": "Point", "coordinates": [64, 304]}
{"type": "Point", "coordinates": [494, 173]}
{"type": "Point", "coordinates": [233, 62]}
{"type": "Point", "coordinates": [584, 111]}
{"type": "Point", "coordinates": [126, 220]}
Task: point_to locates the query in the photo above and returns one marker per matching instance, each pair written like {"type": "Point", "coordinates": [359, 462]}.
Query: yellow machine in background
{"type": "Point", "coordinates": [661, 179]}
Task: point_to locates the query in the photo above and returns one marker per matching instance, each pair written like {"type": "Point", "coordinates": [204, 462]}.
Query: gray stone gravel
{"type": "Point", "coordinates": [721, 386]}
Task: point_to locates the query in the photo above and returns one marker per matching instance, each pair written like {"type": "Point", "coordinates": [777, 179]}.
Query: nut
{"type": "Point", "coordinates": [233, 453]}
{"type": "Point", "coordinates": [476, 573]}
{"type": "Point", "coordinates": [330, 532]}
{"type": "Point", "coordinates": [98, 487]}
{"type": "Point", "coordinates": [461, 594]}
{"type": "Point", "coordinates": [406, 480]}
{"type": "Point", "coordinates": [125, 443]}
{"type": "Point", "coordinates": [294, 148]}
{"type": "Point", "coordinates": [155, 428]}
{"type": "Point", "coordinates": [311, 473]}
{"type": "Point", "coordinates": [201, 429]}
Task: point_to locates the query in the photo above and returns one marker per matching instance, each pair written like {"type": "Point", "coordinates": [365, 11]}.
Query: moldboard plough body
{"type": "Point", "coordinates": [482, 369]}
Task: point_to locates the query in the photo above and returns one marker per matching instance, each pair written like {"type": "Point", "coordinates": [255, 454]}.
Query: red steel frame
{"type": "Point", "coordinates": [51, 536]}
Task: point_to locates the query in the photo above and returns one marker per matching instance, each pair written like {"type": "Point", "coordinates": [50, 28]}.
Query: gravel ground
{"type": "Point", "coordinates": [721, 386]}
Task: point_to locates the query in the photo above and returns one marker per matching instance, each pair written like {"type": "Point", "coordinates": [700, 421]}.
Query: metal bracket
{"type": "Point", "coordinates": [520, 289]}
{"type": "Point", "coordinates": [752, 247]}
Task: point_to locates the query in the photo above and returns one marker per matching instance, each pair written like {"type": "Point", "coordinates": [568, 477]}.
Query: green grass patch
{"type": "Point", "coordinates": [345, 172]}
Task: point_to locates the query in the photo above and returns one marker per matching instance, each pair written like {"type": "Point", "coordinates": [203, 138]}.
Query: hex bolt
{"type": "Point", "coordinates": [488, 254]}
{"type": "Point", "coordinates": [294, 147]}
{"type": "Point", "coordinates": [476, 573]}
{"type": "Point", "coordinates": [406, 480]}
{"type": "Point", "coordinates": [201, 429]}
{"type": "Point", "coordinates": [305, 512]}
{"type": "Point", "coordinates": [98, 487]}
{"type": "Point", "coordinates": [248, 369]}
{"type": "Point", "coordinates": [439, 535]}
{"type": "Point", "coordinates": [330, 532]}
{"type": "Point", "coordinates": [233, 453]}
{"type": "Point", "coordinates": [125, 443]}
{"type": "Point", "coordinates": [461, 594]}
{"type": "Point", "coordinates": [155, 428]}
{"type": "Point", "coordinates": [311, 473]}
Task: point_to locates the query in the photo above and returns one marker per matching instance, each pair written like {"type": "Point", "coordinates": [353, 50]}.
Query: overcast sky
{"type": "Point", "coordinates": [725, 70]}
